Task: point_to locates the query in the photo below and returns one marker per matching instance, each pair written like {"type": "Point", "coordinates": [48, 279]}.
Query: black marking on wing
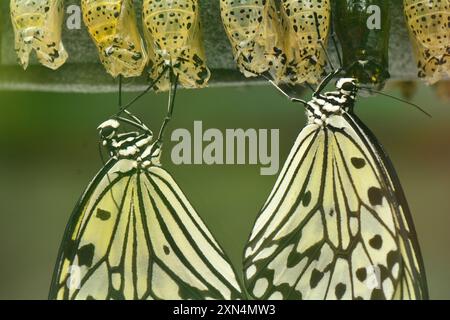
{"type": "Point", "coordinates": [380, 154]}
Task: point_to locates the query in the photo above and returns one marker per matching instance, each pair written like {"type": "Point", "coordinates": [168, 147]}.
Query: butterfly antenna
{"type": "Point", "coordinates": [284, 93]}
{"type": "Point", "coordinates": [151, 85]}
{"type": "Point", "coordinates": [398, 99]}
{"type": "Point", "coordinates": [137, 121]}
{"type": "Point", "coordinates": [170, 107]}
{"type": "Point", "coordinates": [120, 91]}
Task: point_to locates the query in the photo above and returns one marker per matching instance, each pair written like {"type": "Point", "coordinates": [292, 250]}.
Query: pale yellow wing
{"type": "Point", "coordinates": [134, 235]}
{"type": "Point", "coordinates": [37, 27]}
{"type": "Point", "coordinates": [336, 225]}
{"type": "Point", "coordinates": [113, 26]}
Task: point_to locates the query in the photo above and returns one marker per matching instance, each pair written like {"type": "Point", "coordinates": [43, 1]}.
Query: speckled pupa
{"type": "Point", "coordinates": [429, 26]}
{"type": "Point", "coordinates": [37, 27]}
{"type": "Point", "coordinates": [172, 30]}
{"type": "Point", "coordinates": [113, 27]}
{"type": "Point", "coordinates": [306, 25]}
{"type": "Point", "coordinates": [255, 33]}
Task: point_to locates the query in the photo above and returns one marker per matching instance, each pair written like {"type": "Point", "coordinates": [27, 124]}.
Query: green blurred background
{"type": "Point", "coordinates": [49, 153]}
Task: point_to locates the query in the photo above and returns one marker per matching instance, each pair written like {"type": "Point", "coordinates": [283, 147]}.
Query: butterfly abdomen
{"type": "Point", "coordinates": [113, 27]}
{"type": "Point", "coordinates": [37, 26]}
{"type": "Point", "coordinates": [173, 30]}
{"type": "Point", "coordinates": [362, 28]}
{"type": "Point", "coordinates": [306, 23]}
{"type": "Point", "coordinates": [428, 23]}
{"type": "Point", "coordinates": [254, 30]}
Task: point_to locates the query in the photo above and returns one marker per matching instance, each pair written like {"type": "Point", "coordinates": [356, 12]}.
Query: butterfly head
{"type": "Point", "coordinates": [108, 129]}
{"type": "Point", "coordinates": [347, 87]}
{"type": "Point", "coordinates": [126, 145]}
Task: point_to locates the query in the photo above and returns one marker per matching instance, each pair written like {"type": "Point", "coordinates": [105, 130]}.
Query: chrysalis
{"type": "Point", "coordinates": [37, 26]}
{"type": "Point", "coordinates": [113, 27]}
{"type": "Point", "coordinates": [428, 23]}
{"type": "Point", "coordinates": [364, 40]}
{"type": "Point", "coordinates": [306, 25]}
{"type": "Point", "coordinates": [172, 30]}
{"type": "Point", "coordinates": [254, 30]}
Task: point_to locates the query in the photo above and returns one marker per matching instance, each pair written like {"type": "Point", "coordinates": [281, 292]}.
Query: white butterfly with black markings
{"type": "Point", "coordinates": [135, 235]}
{"type": "Point", "coordinates": [336, 224]}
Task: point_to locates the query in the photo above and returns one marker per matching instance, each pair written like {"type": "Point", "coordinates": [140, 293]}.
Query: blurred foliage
{"type": "Point", "coordinates": [49, 153]}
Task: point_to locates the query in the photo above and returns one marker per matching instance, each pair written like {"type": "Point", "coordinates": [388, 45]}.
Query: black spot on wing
{"type": "Point", "coordinates": [316, 276]}
{"type": "Point", "coordinates": [375, 196]}
{"type": "Point", "coordinates": [361, 274]}
{"type": "Point", "coordinates": [306, 198]}
{"type": "Point", "coordinates": [339, 290]}
{"type": "Point", "coordinates": [70, 248]}
{"type": "Point", "coordinates": [292, 295]}
{"type": "Point", "coordinates": [293, 259]}
{"type": "Point", "coordinates": [116, 295]}
{"type": "Point", "coordinates": [85, 255]}
{"type": "Point", "coordinates": [376, 242]}
{"type": "Point", "coordinates": [392, 258]}
{"type": "Point", "coordinates": [358, 163]}
{"type": "Point", "coordinates": [103, 214]}
{"type": "Point", "coordinates": [166, 250]}
{"type": "Point", "coordinates": [377, 294]}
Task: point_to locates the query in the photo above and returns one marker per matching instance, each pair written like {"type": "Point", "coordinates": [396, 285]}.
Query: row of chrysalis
{"type": "Point", "coordinates": [171, 29]}
{"type": "Point", "coordinates": [285, 41]}
{"type": "Point", "coordinates": [289, 41]}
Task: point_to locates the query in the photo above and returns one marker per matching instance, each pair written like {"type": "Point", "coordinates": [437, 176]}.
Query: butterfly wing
{"type": "Point", "coordinates": [334, 226]}
{"type": "Point", "coordinates": [134, 235]}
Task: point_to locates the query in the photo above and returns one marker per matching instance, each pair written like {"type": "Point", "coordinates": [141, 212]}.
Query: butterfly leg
{"type": "Point", "coordinates": [150, 86]}
{"type": "Point", "coordinates": [171, 104]}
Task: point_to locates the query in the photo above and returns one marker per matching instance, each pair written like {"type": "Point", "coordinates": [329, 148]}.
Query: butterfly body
{"type": "Point", "coordinates": [254, 30]}
{"type": "Point", "coordinates": [428, 23]}
{"type": "Point", "coordinates": [134, 234]}
{"type": "Point", "coordinates": [113, 27]}
{"type": "Point", "coordinates": [306, 23]}
{"type": "Point", "coordinates": [172, 29]}
{"type": "Point", "coordinates": [365, 44]}
{"type": "Point", "coordinates": [336, 225]}
{"type": "Point", "coordinates": [37, 26]}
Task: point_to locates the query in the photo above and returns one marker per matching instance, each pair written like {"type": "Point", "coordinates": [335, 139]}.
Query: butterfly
{"type": "Point", "coordinates": [306, 25]}
{"type": "Point", "coordinates": [134, 234]}
{"type": "Point", "coordinates": [172, 31]}
{"type": "Point", "coordinates": [365, 50]}
{"type": "Point", "coordinates": [113, 27]}
{"type": "Point", "coordinates": [428, 24]}
{"type": "Point", "coordinates": [37, 27]}
{"type": "Point", "coordinates": [336, 224]}
{"type": "Point", "coordinates": [255, 33]}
